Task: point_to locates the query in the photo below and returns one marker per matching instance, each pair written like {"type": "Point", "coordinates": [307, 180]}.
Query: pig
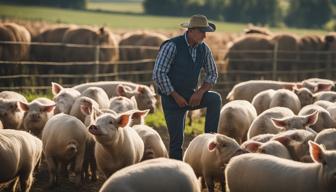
{"type": "Point", "coordinates": [37, 113]}
{"type": "Point", "coordinates": [11, 116]}
{"type": "Point", "coordinates": [285, 98]}
{"type": "Point", "coordinates": [317, 84]}
{"type": "Point", "coordinates": [263, 123]}
{"type": "Point", "coordinates": [236, 118]}
{"type": "Point", "coordinates": [168, 175]}
{"type": "Point", "coordinates": [248, 89]}
{"type": "Point", "coordinates": [138, 117]}
{"type": "Point", "coordinates": [324, 119]}
{"type": "Point", "coordinates": [296, 141]}
{"type": "Point", "coordinates": [20, 155]}
{"type": "Point", "coordinates": [117, 144]}
{"type": "Point", "coordinates": [323, 103]}
{"type": "Point", "coordinates": [271, 147]}
{"type": "Point", "coordinates": [262, 100]}
{"type": "Point", "coordinates": [121, 104]}
{"type": "Point", "coordinates": [97, 94]}
{"type": "Point", "coordinates": [208, 155]}
{"type": "Point", "coordinates": [305, 96]}
{"type": "Point", "coordinates": [256, 173]}
{"type": "Point", "coordinates": [144, 95]}
{"type": "Point", "coordinates": [64, 140]}
{"type": "Point", "coordinates": [76, 107]}
{"type": "Point", "coordinates": [63, 97]}
{"type": "Point", "coordinates": [327, 138]}
{"type": "Point", "coordinates": [326, 96]}
{"type": "Point", "coordinates": [154, 146]}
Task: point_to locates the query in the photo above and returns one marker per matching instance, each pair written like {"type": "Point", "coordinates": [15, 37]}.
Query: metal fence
{"type": "Point", "coordinates": [36, 76]}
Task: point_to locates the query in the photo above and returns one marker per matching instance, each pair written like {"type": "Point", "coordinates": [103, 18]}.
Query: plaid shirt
{"type": "Point", "coordinates": [165, 58]}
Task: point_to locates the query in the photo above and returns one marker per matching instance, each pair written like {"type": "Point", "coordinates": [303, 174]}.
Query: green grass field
{"type": "Point", "coordinates": [117, 19]}
{"type": "Point", "coordinates": [122, 7]}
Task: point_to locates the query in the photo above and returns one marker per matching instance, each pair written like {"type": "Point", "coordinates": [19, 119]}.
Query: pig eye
{"type": "Point", "coordinates": [110, 122]}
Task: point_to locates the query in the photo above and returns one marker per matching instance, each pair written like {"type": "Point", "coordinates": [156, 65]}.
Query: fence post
{"type": "Point", "coordinates": [96, 72]}
{"type": "Point", "coordinates": [275, 62]}
{"type": "Point", "coordinates": [329, 64]}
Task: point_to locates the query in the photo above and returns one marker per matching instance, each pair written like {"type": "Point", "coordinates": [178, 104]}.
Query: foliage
{"type": "Point", "coordinates": [312, 13]}
{"type": "Point", "coordinates": [74, 4]}
{"type": "Point", "coordinates": [157, 120]}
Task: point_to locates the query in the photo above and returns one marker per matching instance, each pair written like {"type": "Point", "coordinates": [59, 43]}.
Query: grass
{"type": "Point", "coordinates": [157, 120]}
{"type": "Point", "coordinates": [118, 19]}
{"type": "Point", "coordinates": [121, 7]}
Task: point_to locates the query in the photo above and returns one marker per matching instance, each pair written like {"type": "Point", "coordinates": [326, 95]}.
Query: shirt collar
{"type": "Point", "coordinates": [186, 39]}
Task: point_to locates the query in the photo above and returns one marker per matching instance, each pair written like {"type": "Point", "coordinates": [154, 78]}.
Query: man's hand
{"type": "Point", "coordinates": [181, 102]}
{"type": "Point", "coordinates": [195, 99]}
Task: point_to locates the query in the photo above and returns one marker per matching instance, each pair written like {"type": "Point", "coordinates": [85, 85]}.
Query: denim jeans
{"type": "Point", "coordinates": [175, 119]}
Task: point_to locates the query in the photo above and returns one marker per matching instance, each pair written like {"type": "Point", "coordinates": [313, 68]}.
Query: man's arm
{"type": "Point", "coordinates": [210, 79]}
{"type": "Point", "coordinates": [161, 68]}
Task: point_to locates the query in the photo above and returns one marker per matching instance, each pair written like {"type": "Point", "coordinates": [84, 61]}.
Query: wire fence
{"type": "Point", "coordinates": [36, 76]}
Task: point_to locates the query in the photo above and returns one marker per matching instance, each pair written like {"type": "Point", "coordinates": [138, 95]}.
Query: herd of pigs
{"type": "Point", "coordinates": [267, 129]}
{"type": "Point", "coordinates": [272, 135]}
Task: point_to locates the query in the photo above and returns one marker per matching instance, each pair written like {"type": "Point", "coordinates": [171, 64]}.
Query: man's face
{"type": "Point", "coordinates": [197, 36]}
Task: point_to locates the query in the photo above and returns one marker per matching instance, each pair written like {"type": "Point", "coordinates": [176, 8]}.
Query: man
{"type": "Point", "coordinates": [176, 73]}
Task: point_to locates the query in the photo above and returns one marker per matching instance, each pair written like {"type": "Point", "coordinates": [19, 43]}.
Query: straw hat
{"type": "Point", "coordinates": [201, 22]}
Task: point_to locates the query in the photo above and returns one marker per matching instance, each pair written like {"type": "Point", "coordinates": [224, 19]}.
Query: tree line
{"type": "Point", "coordinates": [293, 13]}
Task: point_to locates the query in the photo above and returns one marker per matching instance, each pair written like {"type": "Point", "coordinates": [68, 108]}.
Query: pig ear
{"type": "Point", "coordinates": [120, 90]}
{"type": "Point", "coordinates": [324, 87]}
{"type": "Point", "coordinates": [285, 139]}
{"type": "Point", "coordinates": [279, 123]}
{"type": "Point", "coordinates": [212, 145]}
{"type": "Point", "coordinates": [289, 86]}
{"type": "Point", "coordinates": [56, 88]}
{"type": "Point", "coordinates": [151, 87]}
{"type": "Point", "coordinates": [141, 89]}
{"type": "Point", "coordinates": [252, 146]}
{"type": "Point", "coordinates": [23, 106]}
{"type": "Point", "coordinates": [48, 108]}
{"type": "Point", "coordinates": [317, 152]}
{"type": "Point", "coordinates": [124, 120]}
{"type": "Point", "coordinates": [312, 118]}
{"type": "Point", "coordinates": [86, 109]}
{"type": "Point", "coordinates": [139, 113]}
{"type": "Point", "coordinates": [299, 85]}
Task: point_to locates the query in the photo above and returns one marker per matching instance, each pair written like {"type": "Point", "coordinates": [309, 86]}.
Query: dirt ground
{"type": "Point", "coordinates": [41, 177]}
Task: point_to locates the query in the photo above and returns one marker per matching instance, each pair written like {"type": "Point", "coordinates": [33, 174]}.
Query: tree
{"type": "Point", "coordinates": [312, 13]}
{"type": "Point", "coordinates": [255, 11]}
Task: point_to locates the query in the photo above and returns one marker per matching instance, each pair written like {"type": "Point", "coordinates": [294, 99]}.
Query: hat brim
{"type": "Point", "coordinates": [210, 28]}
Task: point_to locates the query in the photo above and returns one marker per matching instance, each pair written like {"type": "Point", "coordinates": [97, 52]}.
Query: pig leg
{"type": "Point", "coordinates": [52, 169]}
{"type": "Point", "coordinates": [222, 182]}
{"type": "Point", "coordinates": [93, 167]}
{"type": "Point", "coordinates": [26, 180]}
{"type": "Point", "coordinates": [78, 168]}
{"type": "Point", "coordinates": [209, 182]}
{"type": "Point", "coordinates": [12, 185]}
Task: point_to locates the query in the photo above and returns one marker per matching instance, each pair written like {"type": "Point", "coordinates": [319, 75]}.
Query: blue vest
{"type": "Point", "coordinates": [184, 72]}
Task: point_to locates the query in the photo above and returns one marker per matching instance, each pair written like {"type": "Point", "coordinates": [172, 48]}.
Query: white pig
{"type": "Point", "coordinates": [117, 144]}
{"type": "Point", "coordinates": [261, 173]}
{"type": "Point", "coordinates": [236, 118]}
{"type": "Point", "coordinates": [162, 174]}
{"type": "Point", "coordinates": [37, 113]}
{"type": "Point", "coordinates": [11, 115]}
{"type": "Point", "coordinates": [20, 154]}
{"type": "Point", "coordinates": [208, 155]}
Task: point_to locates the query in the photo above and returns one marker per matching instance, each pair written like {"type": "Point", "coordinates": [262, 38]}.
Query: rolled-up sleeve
{"type": "Point", "coordinates": [210, 67]}
{"type": "Point", "coordinates": [162, 65]}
